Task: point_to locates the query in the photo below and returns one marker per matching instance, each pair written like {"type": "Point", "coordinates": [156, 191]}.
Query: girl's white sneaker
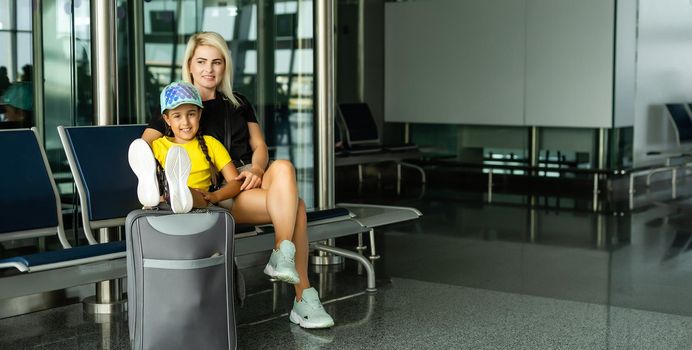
{"type": "Point", "coordinates": [143, 164]}
{"type": "Point", "coordinates": [177, 170]}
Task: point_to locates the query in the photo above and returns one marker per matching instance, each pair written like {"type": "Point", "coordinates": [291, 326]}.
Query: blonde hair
{"type": "Point", "coordinates": [216, 41]}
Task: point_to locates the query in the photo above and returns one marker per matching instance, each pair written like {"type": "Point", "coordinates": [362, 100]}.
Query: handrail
{"type": "Point", "coordinates": [455, 163]}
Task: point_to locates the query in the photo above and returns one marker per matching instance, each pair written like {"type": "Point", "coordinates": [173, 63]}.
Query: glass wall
{"type": "Point", "coordinates": [16, 64]}
{"type": "Point", "coordinates": [273, 65]}
{"type": "Point", "coordinates": [67, 82]}
{"type": "Point", "coordinates": [15, 35]}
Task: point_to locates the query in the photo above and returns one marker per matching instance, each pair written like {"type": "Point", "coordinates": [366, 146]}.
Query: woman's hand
{"type": "Point", "coordinates": [251, 178]}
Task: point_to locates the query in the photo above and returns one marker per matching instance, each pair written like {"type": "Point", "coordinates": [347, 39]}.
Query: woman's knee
{"type": "Point", "coordinates": [281, 171]}
{"type": "Point", "coordinates": [282, 167]}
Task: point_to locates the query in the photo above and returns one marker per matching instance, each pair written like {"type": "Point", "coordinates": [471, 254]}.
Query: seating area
{"type": "Point", "coordinates": [679, 117]}
{"type": "Point", "coordinates": [676, 159]}
{"type": "Point", "coordinates": [358, 143]}
{"type": "Point", "coordinates": [97, 156]}
{"type": "Point", "coordinates": [33, 209]}
{"type": "Point", "coordinates": [668, 166]}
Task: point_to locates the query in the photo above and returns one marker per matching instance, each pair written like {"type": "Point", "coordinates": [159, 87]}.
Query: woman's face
{"type": "Point", "coordinates": [207, 67]}
{"type": "Point", "coordinates": [183, 121]}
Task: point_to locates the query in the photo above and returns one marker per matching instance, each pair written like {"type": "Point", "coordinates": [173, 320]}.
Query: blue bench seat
{"type": "Point", "coordinates": [65, 257]}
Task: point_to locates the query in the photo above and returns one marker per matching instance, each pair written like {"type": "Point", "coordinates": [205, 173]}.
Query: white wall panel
{"type": "Point", "coordinates": [458, 62]}
{"type": "Point", "coordinates": [569, 70]}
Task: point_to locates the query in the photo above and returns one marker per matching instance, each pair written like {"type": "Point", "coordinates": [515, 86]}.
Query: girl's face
{"type": "Point", "coordinates": [207, 67]}
{"type": "Point", "coordinates": [184, 122]}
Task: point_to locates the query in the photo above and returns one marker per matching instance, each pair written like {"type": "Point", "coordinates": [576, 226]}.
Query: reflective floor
{"type": "Point", "coordinates": [467, 275]}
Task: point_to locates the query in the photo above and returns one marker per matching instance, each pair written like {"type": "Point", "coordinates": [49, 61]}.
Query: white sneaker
{"type": "Point", "coordinates": [177, 171]}
{"type": "Point", "coordinates": [309, 313]}
{"type": "Point", "coordinates": [143, 164]}
{"type": "Point", "coordinates": [282, 264]}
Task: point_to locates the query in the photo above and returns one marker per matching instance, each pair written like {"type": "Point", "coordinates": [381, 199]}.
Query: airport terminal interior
{"type": "Point", "coordinates": [546, 145]}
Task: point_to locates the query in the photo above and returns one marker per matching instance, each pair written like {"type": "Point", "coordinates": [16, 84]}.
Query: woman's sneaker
{"type": "Point", "coordinates": [143, 164]}
{"type": "Point", "coordinates": [282, 264]}
{"type": "Point", "coordinates": [309, 313]}
{"type": "Point", "coordinates": [177, 171]}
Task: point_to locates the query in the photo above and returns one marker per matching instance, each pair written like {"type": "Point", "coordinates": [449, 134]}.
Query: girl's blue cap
{"type": "Point", "coordinates": [178, 93]}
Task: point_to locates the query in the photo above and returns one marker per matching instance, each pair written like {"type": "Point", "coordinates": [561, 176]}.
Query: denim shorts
{"type": "Point", "coordinates": [228, 203]}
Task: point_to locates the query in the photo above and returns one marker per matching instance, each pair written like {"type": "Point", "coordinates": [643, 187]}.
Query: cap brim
{"type": "Point", "coordinates": [180, 104]}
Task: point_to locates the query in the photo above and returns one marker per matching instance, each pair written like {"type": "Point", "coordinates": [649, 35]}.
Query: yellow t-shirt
{"type": "Point", "coordinates": [199, 171]}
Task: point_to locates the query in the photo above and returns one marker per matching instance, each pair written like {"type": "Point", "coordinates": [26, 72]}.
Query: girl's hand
{"type": "Point", "coordinates": [208, 196]}
{"type": "Point", "coordinates": [252, 178]}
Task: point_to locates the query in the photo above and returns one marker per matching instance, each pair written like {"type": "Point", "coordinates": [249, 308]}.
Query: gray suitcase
{"type": "Point", "coordinates": [180, 279]}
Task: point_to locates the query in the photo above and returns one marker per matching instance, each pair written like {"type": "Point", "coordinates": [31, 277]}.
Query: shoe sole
{"type": "Point", "coordinates": [269, 271]}
{"type": "Point", "coordinates": [143, 164]}
{"type": "Point", "coordinates": [177, 172]}
{"type": "Point", "coordinates": [295, 318]}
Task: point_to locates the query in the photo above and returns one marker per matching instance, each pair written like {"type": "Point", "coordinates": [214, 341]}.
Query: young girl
{"type": "Point", "coordinates": [191, 161]}
{"type": "Point", "coordinates": [192, 183]}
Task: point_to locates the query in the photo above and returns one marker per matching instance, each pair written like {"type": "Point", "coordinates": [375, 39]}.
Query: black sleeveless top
{"type": "Point", "coordinates": [217, 114]}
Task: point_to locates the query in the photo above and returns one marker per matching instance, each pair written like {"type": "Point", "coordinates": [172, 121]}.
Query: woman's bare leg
{"type": "Point", "coordinates": [250, 207]}
{"type": "Point", "coordinates": [282, 198]}
{"type": "Point", "coordinates": [253, 207]}
{"type": "Point", "coordinates": [300, 240]}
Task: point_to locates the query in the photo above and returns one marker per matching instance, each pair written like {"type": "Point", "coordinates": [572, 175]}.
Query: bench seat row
{"type": "Point", "coordinates": [97, 156]}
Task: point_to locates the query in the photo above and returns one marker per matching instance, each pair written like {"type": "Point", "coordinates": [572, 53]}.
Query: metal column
{"type": "Point", "coordinates": [12, 56]}
{"type": "Point", "coordinates": [361, 51]}
{"type": "Point", "coordinates": [37, 31]}
{"type": "Point", "coordinates": [324, 108]}
{"type": "Point", "coordinates": [600, 150]}
{"type": "Point", "coordinates": [108, 297]}
{"type": "Point", "coordinates": [137, 8]}
{"type": "Point", "coordinates": [324, 126]}
{"type": "Point", "coordinates": [533, 147]}
{"type": "Point", "coordinates": [262, 71]}
{"type": "Point", "coordinates": [104, 61]}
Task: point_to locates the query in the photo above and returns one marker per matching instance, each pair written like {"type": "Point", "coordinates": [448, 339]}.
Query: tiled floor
{"type": "Point", "coordinates": [467, 275]}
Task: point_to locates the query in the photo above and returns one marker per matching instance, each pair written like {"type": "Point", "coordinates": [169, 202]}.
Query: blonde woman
{"type": "Point", "coordinates": [269, 192]}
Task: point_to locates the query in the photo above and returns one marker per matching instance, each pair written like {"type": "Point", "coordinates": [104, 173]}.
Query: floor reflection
{"type": "Point", "coordinates": [468, 274]}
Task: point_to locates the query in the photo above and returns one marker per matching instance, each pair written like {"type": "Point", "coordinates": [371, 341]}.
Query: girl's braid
{"type": "Point", "coordinates": [212, 170]}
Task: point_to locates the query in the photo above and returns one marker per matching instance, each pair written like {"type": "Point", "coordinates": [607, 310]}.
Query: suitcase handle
{"type": "Point", "coordinates": [185, 264]}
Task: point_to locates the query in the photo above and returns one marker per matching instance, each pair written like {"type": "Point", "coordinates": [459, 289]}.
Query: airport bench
{"type": "Point", "coordinates": [30, 207]}
{"type": "Point", "coordinates": [100, 209]}
{"type": "Point", "coordinates": [361, 145]}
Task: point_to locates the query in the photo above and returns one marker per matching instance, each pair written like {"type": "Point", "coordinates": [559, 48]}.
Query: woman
{"type": "Point", "coordinates": [269, 192]}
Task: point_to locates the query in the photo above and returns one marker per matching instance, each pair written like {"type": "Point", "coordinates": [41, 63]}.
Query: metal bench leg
{"type": "Point", "coordinates": [631, 191]}
{"type": "Point", "coordinates": [423, 179]}
{"type": "Point", "coordinates": [276, 293]}
{"type": "Point", "coordinates": [360, 248]}
{"type": "Point", "coordinates": [109, 294]}
{"type": "Point", "coordinates": [373, 254]}
{"type": "Point", "coordinates": [352, 255]}
{"type": "Point", "coordinates": [398, 179]}
{"type": "Point", "coordinates": [490, 185]}
{"type": "Point", "coordinates": [594, 192]}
